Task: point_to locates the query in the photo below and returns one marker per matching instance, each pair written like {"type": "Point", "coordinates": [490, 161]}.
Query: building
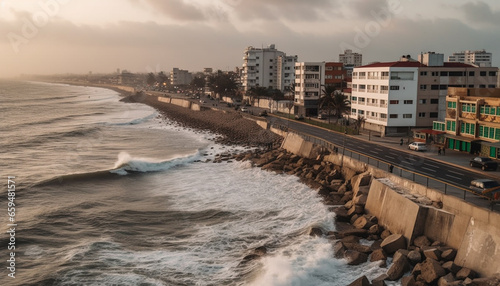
{"type": "Point", "coordinates": [335, 75]}
{"type": "Point", "coordinates": [266, 67]}
{"type": "Point", "coordinates": [180, 77]}
{"type": "Point", "coordinates": [472, 121]}
{"type": "Point", "coordinates": [395, 97]}
{"type": "Point", "coordinates": [309, 82]}
{"type": "Point", "coordinates": [350, 61]}
{"type": "Point", "coordinates": [479, 58]}
{"type": "Point", "coordinates": [286, 73]}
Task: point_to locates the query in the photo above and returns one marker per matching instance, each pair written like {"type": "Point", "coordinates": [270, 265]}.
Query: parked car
{"type": "Point", "coordinates": [263, 113]}
{"type": "Point", "coordinates": [299, 116]}
{"type": "Point", "coordinates": [417, 146]}
{"type": "Point", "coordinates": [483, 163]}
{"type": "Point", "coordinates": [321, 116]}
{"type": "Point", "coordinates": [490, 188]}
{"type": "Point", "coordinates": [244, 109]}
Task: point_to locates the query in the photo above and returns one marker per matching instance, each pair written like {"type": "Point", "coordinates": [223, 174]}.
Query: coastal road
{"type": "Point", "coordinates": [411, 160]}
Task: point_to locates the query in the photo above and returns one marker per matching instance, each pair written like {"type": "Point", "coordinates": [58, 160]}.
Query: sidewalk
{"type": "Point", "coordinates": [456, 158]}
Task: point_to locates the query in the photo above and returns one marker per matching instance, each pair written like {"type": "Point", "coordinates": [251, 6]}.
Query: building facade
{"type": "Point", "coordinates": [472, 121]}
{"type": "Point", "coordinates": [479, 58]}
{"type": "Point", "coordinates": [266, 67]}
{"type": "Point", "coordinates": [286, 73]}
{"type": "Point", "coordinates": [180, 77]}
{"type": "Point", "coordinates": [309, 82]}
{"type": "Point", "coordinates": [335, 75]}
{"type": "Point", "coordinates": [350, 61]}
{"type": "Point", "coordinates": [414, 91]}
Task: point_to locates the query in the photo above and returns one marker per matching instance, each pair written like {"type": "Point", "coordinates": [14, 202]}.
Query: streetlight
{"type": "Point", "coordinates": [343, 150]}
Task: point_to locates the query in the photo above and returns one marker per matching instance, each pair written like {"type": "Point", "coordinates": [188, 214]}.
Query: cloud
{"type": "Point", "coordinates": [176, 9]}
{"type": "Point", "coordinates": [365, 9]}
{"type": "Point", "coordinates": [480, 12]}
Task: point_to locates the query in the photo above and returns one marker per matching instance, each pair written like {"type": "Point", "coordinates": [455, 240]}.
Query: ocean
{"type": "Point", "coordinates": [113, 193]}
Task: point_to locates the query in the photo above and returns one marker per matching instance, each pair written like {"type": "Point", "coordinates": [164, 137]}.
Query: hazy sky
{"type": "Point", "coordinates": [78, 36]}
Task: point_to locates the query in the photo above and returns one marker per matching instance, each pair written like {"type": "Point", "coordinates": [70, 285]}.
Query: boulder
{"type": "Point", "coordinates": [341, 215]}
{"type": "Point", "coordinates": [414, 257]}
{"type": "Point", "coordinates": [339, 249]}
{"type": "Point", "coordinates": [398, 268]}
{"type": "Point", "coordinates": [348, 205]}
{"type": "Point", "coordinates": [354, 257]}
{"type": "Point", "coordinates": [451, 267]}
{"type": "Point", "coordinates": [356, 209]}
{"type": "Point", "coordinates": [316, 231]}
{"type": "Point", "coordinates": [360, 200]}
{"type": "Point", "coordinates": [431, 270]}
{"type": "Point", "coordinates": [350, 239]}
{"type": "Point", "coordinates": [363, 222]}
{"type": "Point", "coordinates": [374, 229]}
{"type": "Point", "coordinates": [466, 273]}
{"type": "Point", "coordinates": [361, 281]}
{"type": "Point", "coordinates": [364, 179]}
{"type": "Point", "coordinates": [354, 218]}
{"type": "Point", "coordinates": [408, 281]}
{"type": "Point", "coordinates": [486, 281]}
{"type": "Point", "coordinates": [421, 241]}
{"type": "Point", "coordinates": [394, 242]}
{"type": "Point", "coordinates": [376, 245]}
{"type": "Point", "coordinates": [385, 234]}
{"type": "Point", "coordinates": [381, 278]}
{"type": "Point", "coordinates": [358, 247]}
{"type": "Point", "coordinates": [449, 255]}
{"type": "Point", "coordinates": [354, 231]}
{"type": "Point", "coordinates": [433, 253]}
{"type": "Point", "coordinates": [417, 270]}
{"type": "Point", "coordinates": [378, 255]}
{"type": "Point", "coordinates": [446, 280]}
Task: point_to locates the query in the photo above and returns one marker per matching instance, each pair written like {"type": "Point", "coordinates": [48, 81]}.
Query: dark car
{"type": "Point", "coordinates": [299, 117]}
{"type": "Point", "coordinates": [484, 163]}
{"type": "Point", "coordinates": [263, 113]}
{"type": "Point", "coordinates": [487, 187]}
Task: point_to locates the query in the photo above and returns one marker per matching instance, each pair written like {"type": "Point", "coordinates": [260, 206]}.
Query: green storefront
{"type": "Point", "coordinates": [463, 144]}
{"type": "Point", "coordinates": [491, 149]}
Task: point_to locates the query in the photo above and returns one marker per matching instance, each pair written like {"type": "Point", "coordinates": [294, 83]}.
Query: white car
{"type": "Point", "coordinates": [244, 109]}
{"type": "Point", "coordinates": [417, 146]}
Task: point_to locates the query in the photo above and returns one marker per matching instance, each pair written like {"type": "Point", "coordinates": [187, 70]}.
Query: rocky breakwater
{"type": "Point", "coordinates": [421, 262]}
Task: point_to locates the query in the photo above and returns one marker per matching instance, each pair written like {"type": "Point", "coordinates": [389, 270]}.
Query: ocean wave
{"type": "Point", "coordinates": [124, 165]}
{"type": "Point", "coordinates": [137, 120]}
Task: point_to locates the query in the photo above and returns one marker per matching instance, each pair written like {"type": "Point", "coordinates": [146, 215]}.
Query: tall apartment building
{"type": "Point", "coordinates": [180, 77]}
{"type": "Point", "coordinates": [472, 121]}
{"type": "Point", "coordinates": [309, 82]}
{"type": "Point", "coordinates": [286, 73]}
{"type": "Point", "coordinates": [479, 58]}
{"type": "Point", "coordinates": [350, 61]}
{"type": "Point", "coordinates": [394, 97]}
{"type": "Point", "coordinates": [335, 75]}
{"type": "Point", "coordinates": [266, 67]}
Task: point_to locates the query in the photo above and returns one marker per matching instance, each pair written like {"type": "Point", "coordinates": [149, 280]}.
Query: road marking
{"type": "Point", "coordinates": [390, 157]}
{"type": "Point", "coordinates": [428, 169]}
{"type": "Point", "coordinates": [455, 172]}
{"type": "Point", "coordinates": [458, 178]}
{"type": "Point", "coordinates": [378, 149]}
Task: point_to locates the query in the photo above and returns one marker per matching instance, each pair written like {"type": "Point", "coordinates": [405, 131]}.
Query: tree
{"type": "Point", "coordinates": [223, 83]}
{"type": "Point", "coordinates": [151, 79]}
{"type": "Point", "coordinates": [326, 102]}
{"type": "Point", "coordinates": [198, 82]}
{"type": "Point", "coordinates": [360, 122]}
{"type": "Point", "coordinates": [162, 79]}
{"type": "Point", "coordinates": [334, 101]}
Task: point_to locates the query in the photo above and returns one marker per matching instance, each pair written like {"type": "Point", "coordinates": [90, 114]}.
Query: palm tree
{"type": "Point", "coordinates": [341, 105]}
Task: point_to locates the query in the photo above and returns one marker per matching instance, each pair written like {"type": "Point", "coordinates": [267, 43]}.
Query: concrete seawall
{"type": "Point", "coordinates": [472, 230]}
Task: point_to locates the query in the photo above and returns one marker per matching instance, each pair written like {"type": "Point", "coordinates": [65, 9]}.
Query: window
{"type": "Point", "coordinates": [435, 73]}
{"type": "Point", "coordinates": [440, 126]}
{"type": "Point", "coordinates": [422, 101]}
{"type": "Point", "coordinates": [393, 101]}
{"type": "Point", "coordinates": [491, 86]}
{"type": "Point", "coordinates": [468, 128]}
{"type": "Point", "coordinates": [450, 125]}
{"type": "Point", "coordinates": [402, 75]}
{"type": "Point", "coordinates": [471, 73]}
{"type": "Point", "coordinates": [408, 102]}
{"type": "Point", "coordinates": [384, 89]}
{"type": "Point", "coordinates": [434, 101]}
{"type": "Point", "coordinates": [435, 87]}
{"type": "Point", "coordinates": [421, 114]}
{"type": "Point", "coordinates": [433, 115]}
{"type": "Point", "coordinates": [483, 73]}
{"type": "Point", "coordinates": [443, 87]}
{"type": "Point", "coordinates": [385, 75]}
{"type": "Point", "coordinates": [423, 73]}
{"type": "Point", "coordinates": [362, 100]}
{"type": "Point", "coordinates": [383, 115]}
{"type": "Point", "coordinates": [393, 116]}
{"type": "Point", "coordinates": [407, 115]}
{"type": "Point", "coordinates": [423, 86]}
{"type": "Point", "coordinates": [451, 104]}
{"type": "Point", "coordinates": [469, 107]}
{"type": "Point", "coordinates": [257, 65]}
{"type": "Point", "coordinates": [482, 86]}
{"type": "Point", "coordinates": [353, 111]}
{"type": "Point", "coordinates": [394, 87]}
{"type": "Point", "coordinates": [271, 60]}
{"type": "Point", "coordinates": [456, 73]}
{"type": "Point", "coordinates": [361, 112]}
{"type": "Point", "coordinates": [492, 73]}
{"type": "Point", "coordinates": [443, 73]}
{"type": "Point", "coordinates": [270, 73]}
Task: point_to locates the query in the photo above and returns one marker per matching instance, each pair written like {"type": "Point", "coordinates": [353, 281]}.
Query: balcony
{"type": "Point", "coordinates": [372, 104]}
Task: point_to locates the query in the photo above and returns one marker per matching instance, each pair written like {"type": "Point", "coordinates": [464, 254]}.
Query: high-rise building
{"type": "Point", "coordinates": [267, 67]}
{"type": "Point", "coordinates": [309, 82]}
{"type": "Point", "coordinates": [350, 61]}
{"type": "Point", "coordinates": [180, 77]}
{"type": "Point", "coordinates": [396, 96]}
{"type": "Point", "coordinates": [479, 58]}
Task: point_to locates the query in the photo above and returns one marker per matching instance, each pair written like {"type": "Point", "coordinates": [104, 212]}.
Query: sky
{"type": "Point", "coordinates": [81, 36]}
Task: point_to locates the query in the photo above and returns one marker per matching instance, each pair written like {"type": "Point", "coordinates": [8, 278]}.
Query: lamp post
{"type": "Point", "coordinates": [343, 150]}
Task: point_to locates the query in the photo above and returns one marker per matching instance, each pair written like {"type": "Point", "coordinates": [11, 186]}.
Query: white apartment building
{"type": "Point", "coordinates": [385, 94]}
{"type": "Point", "coordinates": [266, 67]}
{"type": "Point", "coordinates": [479, 58]}
{"type": "Point", "coordinates": [180, 77]}
{"type": "Point", "coordinates": [309, 82]}
{"type": "Point", "coordinates": [286, 73]}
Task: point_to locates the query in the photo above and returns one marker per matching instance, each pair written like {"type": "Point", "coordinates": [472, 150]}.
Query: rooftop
{"type": "Point", "coordinates": [416, 64]}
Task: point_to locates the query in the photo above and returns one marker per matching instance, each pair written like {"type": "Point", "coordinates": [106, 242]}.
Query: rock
{"type": "Point", "coordinates": [316, 231]}
{"type": "Point", "coordinates": [339, 249]}
{"type": "Point", "coordinates": [394, 242]}
{"type": "Point", "coordinates": [487, 281]}
{"type": "Point", "coordinates": [354, 218]}
{"type": "Point", "coordinates": [408, 281]}
{"type": "Point", "coordinates": [451, 267]}
{"type": "Point", "coordinates": [354, 257]}
{"type": "Point", "coordinates": [364, 179]}
{"type": "Point", "coordinates": [261, 250]}
{"type": "Point", "coordinates": [466, 273]}
{"type": "Point", "coordinates": [437, 243]}
{"type": "Point", "coordinates": [363, 222]}
{"type": "Point", "coordinates": [398, 268]}
{"type": "Point", "coordinates": [350, 239]}
{"type": "Point", "coordinates": [446, 280]}
{"type": "Point", "coordinates": [361, 281]}
{"type": "Point", "coordinates": [376, 245]}
{"type": "Point", "coordinates": [414, 257]}
{"type": "Point", "coordinates": [341, 215]}
{"type": "Point", "coordinates": [433, 253]}
{"type": "Point", "coordinates": [358, 247]}
{"type": "Point", "coordinates": [385, 234]}
{"type": "Point", "coordinates": [354, 231]}
{"type": "Point", "coordinates": [360, 200]}
{"type": "Point", "coordinates": [378, 255]}
{"type": "Point", "coordinates": [374, 229]}
{"type": "Point", "coordinates": [356, 209]}
{"type": "Point", "coordinates": [417, 270]}
{"type": "Point", "coordinates": [379, 279]}
{"type": "Point", "coordinates": [449, 255]}
{"type": "Point", "coordinates": [431, 270]}
{"type": "Point", "coordinates": [379, 283]}
{"type": "Point", "coordinates": [421, 241]}
{"type": "Point", "coordinates": [349, 205]}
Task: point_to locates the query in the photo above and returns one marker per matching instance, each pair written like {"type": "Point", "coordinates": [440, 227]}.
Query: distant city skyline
{"type": "Point", "coordinates": [72, 36]}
